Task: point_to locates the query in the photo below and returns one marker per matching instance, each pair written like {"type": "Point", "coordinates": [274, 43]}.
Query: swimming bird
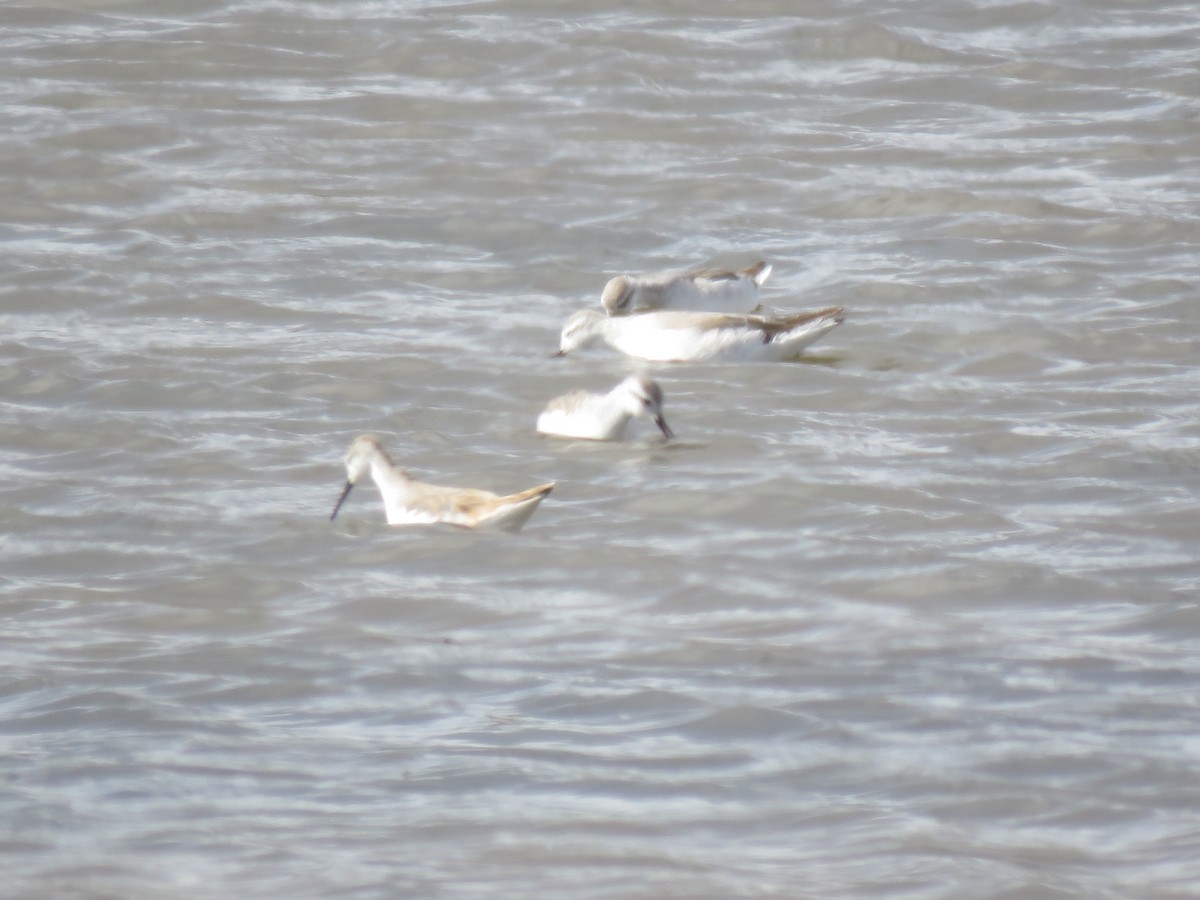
{"type": "Point", "coordinates": [604, 417]}
{"type": "Point", "coordinates": [676, 336]}
{"type": "Point", "coordinates": [717, 290]}
{"type": "Point", "coordinates": [409, 502]}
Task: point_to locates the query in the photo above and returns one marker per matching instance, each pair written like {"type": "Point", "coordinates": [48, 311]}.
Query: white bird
{"type": "Point", "coordinates": [676, 336]}
{"type": "Point", "coordinates": [714, 290]}
{"type": "Point", "coordinates": [604, 417]}
{"type": "Point", "coordinates": [409, 502]}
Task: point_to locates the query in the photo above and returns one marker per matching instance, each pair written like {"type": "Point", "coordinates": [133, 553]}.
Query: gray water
{"type": "Point", "coordinates": [916, 616]}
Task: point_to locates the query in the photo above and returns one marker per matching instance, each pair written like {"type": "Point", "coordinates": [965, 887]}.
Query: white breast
{"type": "Point", "coordinates": [656, 338]}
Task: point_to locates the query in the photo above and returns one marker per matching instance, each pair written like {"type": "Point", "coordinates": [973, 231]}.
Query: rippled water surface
{"type": "Point", "coordinates": [916, 616]}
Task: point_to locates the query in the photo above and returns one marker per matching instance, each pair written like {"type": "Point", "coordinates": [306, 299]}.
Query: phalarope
{"type": "Point", "coordinates": [717, 290]}
{"type": "Point", "coordinates": [604, 417]}
{"type": "Point", "coordinates": [409, 502]}
{"type": "Point", "coordinates": [677, 336]}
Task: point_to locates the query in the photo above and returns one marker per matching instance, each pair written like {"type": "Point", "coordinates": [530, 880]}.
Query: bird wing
{"type": "Point", "coordinates": [568, 402]}
{"type": "Point", "coordinates": [771, 328]}
{"type": "Point", "coordinates": [712, 275]}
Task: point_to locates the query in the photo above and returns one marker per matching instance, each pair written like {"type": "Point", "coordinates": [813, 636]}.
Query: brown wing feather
{"type": "Point", "coordinates": [477, 504]}
{"type": "Point", "coordinates": [713, 274]}
{"type": "Point", "coordinates": [471, 503]}
{"type": "Point", "coordinates": [541, 490]}
{"type": "Point", "coordinates": [772, 328]}
{"type": "Point", "coordinates": [705, 321]}
{"type": "Point", "coordinates": [752, 272]}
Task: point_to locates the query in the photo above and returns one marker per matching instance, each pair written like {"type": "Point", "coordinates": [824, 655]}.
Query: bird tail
{"type": "Point", "coordinates": [834, 314]}
{"type": "Point", "coordinates": [796, 332]}
{"type": "Point", "coordinates": [517, 508]}
{"type": "Point", "coordinates": [758, 273]}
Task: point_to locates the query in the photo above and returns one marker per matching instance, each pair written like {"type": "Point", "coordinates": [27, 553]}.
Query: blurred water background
{"type": "Point", "coordinates": [915, 617]}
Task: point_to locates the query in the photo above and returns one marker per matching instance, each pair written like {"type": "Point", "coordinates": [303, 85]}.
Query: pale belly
{"type": "Point", "coordinates": [680, 344]}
